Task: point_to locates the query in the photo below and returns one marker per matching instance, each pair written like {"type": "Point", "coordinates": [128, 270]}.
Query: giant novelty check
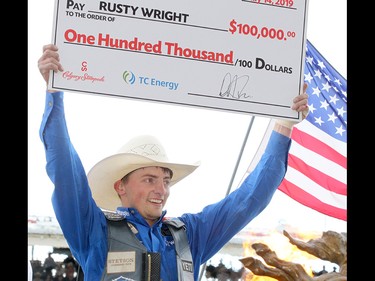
{"type": "Point", "coordinates": [245, 56]}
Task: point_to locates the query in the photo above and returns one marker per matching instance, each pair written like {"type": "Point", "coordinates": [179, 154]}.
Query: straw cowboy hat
{"type": "Point", "coordinates": [139, 152]}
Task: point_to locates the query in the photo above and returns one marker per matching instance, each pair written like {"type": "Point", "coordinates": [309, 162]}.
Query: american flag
{"type": "Point", "coordinates": [317, 163]}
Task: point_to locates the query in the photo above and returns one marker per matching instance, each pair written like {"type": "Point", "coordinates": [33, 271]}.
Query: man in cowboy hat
{"type": "Point", "coordinates": [113, 218]}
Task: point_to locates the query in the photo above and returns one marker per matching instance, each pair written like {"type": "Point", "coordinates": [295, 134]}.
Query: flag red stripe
{"type": "Point", "coordinates": [318, 147]}
{"type": "Point", "coordinates": [310, 201]}
{"type": "Point", "coordinates": [317, 176]}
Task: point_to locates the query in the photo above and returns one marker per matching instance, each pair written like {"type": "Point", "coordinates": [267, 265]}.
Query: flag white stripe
{"type": "Point", "coordinates": [309, 186]}
{"type": "Point", "coordinates": [308, 128]}
{"type": "Point", "coordinates": [319, 162]}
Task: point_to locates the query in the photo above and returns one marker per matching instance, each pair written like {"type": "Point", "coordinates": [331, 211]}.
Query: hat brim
{"type": "Point", "coordinates": [105, 173]}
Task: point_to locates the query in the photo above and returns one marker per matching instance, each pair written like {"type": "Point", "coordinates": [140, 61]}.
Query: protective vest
{"type": "Point", "coordinates": [129, 260]}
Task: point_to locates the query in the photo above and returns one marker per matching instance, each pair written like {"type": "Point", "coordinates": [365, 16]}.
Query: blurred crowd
{"type": "Point", "coordinates": [50, 270]}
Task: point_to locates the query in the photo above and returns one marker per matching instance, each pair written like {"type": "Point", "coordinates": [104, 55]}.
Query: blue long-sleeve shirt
{"type": "Point", "coordinates": [84, 225]}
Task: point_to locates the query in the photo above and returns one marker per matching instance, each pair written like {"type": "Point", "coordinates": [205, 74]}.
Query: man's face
{"type": "Point", "coordinates": [147, 190]}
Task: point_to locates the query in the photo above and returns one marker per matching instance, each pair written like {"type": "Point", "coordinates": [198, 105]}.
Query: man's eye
{"type": "Point", "coordinates": [150, 180]}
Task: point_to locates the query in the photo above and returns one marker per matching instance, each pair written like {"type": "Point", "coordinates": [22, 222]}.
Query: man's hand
{"type": "Point", "coordinates": [49, 60]}
{"type": "Point", "coordinates": [299, 105]}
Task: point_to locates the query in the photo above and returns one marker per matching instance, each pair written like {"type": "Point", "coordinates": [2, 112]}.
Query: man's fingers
{"type": "Point", "coordinates": [50, 47]}
{"type": "Point", "coordinates": [300, 102]}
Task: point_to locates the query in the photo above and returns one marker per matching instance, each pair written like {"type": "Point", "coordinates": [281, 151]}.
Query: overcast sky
{"type": "Point", "coordinates": [99, 126]}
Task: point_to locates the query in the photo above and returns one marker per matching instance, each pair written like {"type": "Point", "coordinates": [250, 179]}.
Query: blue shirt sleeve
{"type": "Point", "coordinates": [213, 227]}
{"type": "Point", "coordinates": [82, 222]}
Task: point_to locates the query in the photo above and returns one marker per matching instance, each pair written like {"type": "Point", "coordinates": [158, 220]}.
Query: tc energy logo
{"type": "Point", "coordinates": [145, 81]}
{"type": "Point", "coordinates": [128, 77]}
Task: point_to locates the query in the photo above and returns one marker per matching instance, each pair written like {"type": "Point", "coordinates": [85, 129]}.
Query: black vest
{"type": "Point", "coordinates": [128, 259]}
